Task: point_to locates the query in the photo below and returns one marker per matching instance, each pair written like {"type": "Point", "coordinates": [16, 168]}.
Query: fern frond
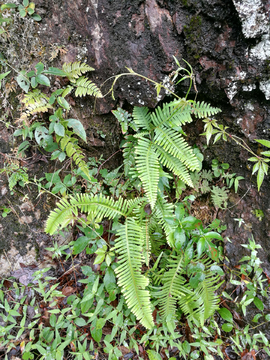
{"type": "Point", "coordinates": [128, 153]}
{"type": "Point", "coordinates": [175, 113]}
{"type": "Point", "coordinates": [98, 206]}
{"type": "Point", "coordinates": [203, 302]}
{"type": "Point", "coordinates": [74, 70]}
{"type": "Point", "coordinates": [148, 169]}
{"type": "Point", "coordinates": [175, 165]}
{"type": "Point", "coordinates": [87, 87]}
{"type": "Point", "coordinates": [129, 248]}
{"type": "Point", "coordinates": [72, 150]}
{"type": "Point", "coordinates": [164, 211]}
{"type": "Point", "coordinates": [174, 287]}
{"type": "Point", "coordinates": [35, 102]}
{"type": "Point", "coordinates": [142, 117]}
{"type": "Point", "coordinates": [67, 90]}
{"type": "Point", "coordinates": [203, 110]}
{"type": "Point", "coordinates": [172, 142]}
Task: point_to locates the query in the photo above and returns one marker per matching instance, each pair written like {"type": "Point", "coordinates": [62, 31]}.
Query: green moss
{"type": "Point", "coordinates": [193, 34]}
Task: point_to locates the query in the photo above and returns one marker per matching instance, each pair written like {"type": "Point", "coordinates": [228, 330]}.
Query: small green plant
{"type": "Point", "coordinates": [24, 9]}
{"type": "Point", "coordinates": [159, 146]}
{"type": "Point", "coordinates": [260, 167]}
{"type": "Point", "coordinates": [58, 137]}
{"type": "Point", "coordinates": [15, 174]}
{"type": "Point", "coordinates": [5, 211]}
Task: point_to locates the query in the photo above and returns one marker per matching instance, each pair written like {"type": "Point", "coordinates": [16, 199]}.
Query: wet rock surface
{"type": "Point", "coordinates": [226, 42]}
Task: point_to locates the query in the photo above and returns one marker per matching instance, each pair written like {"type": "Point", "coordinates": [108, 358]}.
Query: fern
{"type": "Point", "coordinates": [148, 168]}
{"type": "Point", "coordinates": [173, 143]}
{"type": "Point", "coordinates": [69, 145]}
{"type": "Point", "coordinates": [174, 287]}
{"type": "Point", "coordinates": [203, 110]}
{"type": "Point", "coordinates": [128, 153]}
{"type": "Point", "coordinates": [164, 213]}
{"type": "Point", "coordinates": [129, 248]}
{"type": "Point", "coordinates": [219, 196]}
{"type": "Point", "coordinates": [142, 117]}
{"type": "Point", "coordinates": [87, 87]}
{"type": "Point", "coordinates": [203, 302]}
{"type": "Point", "coordinates": [35, 102]}
{"type": "Point", "coordinates": [74, 70]}
{"type": "Point", "coordinates": [175, 165]}
{"type": "Point", "coordinates": [97, 205]}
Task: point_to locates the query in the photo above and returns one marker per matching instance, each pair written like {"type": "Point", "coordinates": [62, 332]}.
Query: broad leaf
{"type": "Point", "coordinates": [77, 127]}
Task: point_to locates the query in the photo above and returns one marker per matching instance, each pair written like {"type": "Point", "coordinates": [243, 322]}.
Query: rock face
{"type": "Point", "coordinates": [226, 42]}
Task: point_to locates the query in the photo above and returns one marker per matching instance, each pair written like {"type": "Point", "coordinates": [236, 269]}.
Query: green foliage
{"type": "Point", "coordinates": [24, 9]}
{"type": "Point", "coordinates": [16, 175]}
{"type": "Point", "coordinates": [37, 102]}
{"type": "Point", "coordinates": [260, 167]}
{"type": "Point", "coordinates": [153, 262]}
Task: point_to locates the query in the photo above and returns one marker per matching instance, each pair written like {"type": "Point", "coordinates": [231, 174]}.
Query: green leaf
{"type": "Point", "coordinates": [264, 142]}
{"type": "Point", "coordinates": [8, 6]}
{"type": "Point", "coordinates": [153, 355]}
{"type": "Point", "coordinates": [201, 245]}
{"type": "Point", "coordinates": [180, 238]}
{"type": "Point", "coordinates": [213, 235]}
{"type": "Point", "coordinates": [39, 67]}
{"type": "Point", "coordinates": [43, 80]}
{"type": "Point", "coordinates": [195, 280]}
{"type": "Point", "coordinates": [212, 251]}
{"type": "Point", "coordinates": [54, 71]}
{"type": "Point", "coordinates": [80, 244]}
{"type": "Point", "coordinates": [258, 303]}
{"type": "Point", "coordinates": [225, 314]}
{"type": "Point", "coordinates": [77, 127]}
{"type": "Point", "coordinates": [217, 269]}
{"type": "Point", "coordinates": [96, 333]}
{"type": "Point", "coordinates": [2, 76]}
{"type": "Point", "coordinates": [80, 322]}
{"type": "Point", "coordinates": [22, 81]}
{"type": "Point", "coordinates": [100, 323]}
{"type": "Point", "coordinates": [109, 279]}
{"type": "Point", "coordinates": [99, 259]}
{"type": "Point", "coordinates": [63, 102]}
{"type": "Point", "coordinates": [25, 3]}
{"type": "Point", "coordinates": [36, 17]}
{"type": "Point", "coordinates": [34, 82]}
{"type": "Point", "coordinates": [227, 327]}
{"type": "Point", "coordinates": [53, 320]}
{"type": "Point", "coordinates": [59, 129]}
{"type": "Point", "coordinates": [260, 177]}
{"type": "Point", "coordinates": [256, 317]}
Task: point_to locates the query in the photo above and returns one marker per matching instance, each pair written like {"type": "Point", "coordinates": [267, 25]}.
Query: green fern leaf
{"type": "Point", "coordinates": [175, 165]}
{"type": "Point", "coordinates": [219, 196]}
{"type": "Point", "coordinates": [164, 213]}
{"type": "Point", "coordinates": [128, 153]}
{"type": "Point", "coordinates": [35, 102]}
{"type": "Point", "coordinates": [142, 117]}
{"type": "Point", "coordinates": [129, 245]}
{"type": "Point", "coordinates": [67, 90]}
{"type": "Point", "coordinates": [148, 169]}
{"type": "Point", "coordinates": [172, 142]}
{"type": "Point", "coordinates": [98, 206]}
{"type": "Point", "coordinates": [74, 70]}
{"type": "Point", "coordinates": [203, 302]}
{"type": "Point", "coordinates": [87, 87]}
{"type": "Point", "coordinates": [174, 287]}
{"type": "Point", "coordinates": [203, 110]}
{"type": "Point", "coordinates": [175, 113]}
{"type": "Point", "coordinates": [69, 145]}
